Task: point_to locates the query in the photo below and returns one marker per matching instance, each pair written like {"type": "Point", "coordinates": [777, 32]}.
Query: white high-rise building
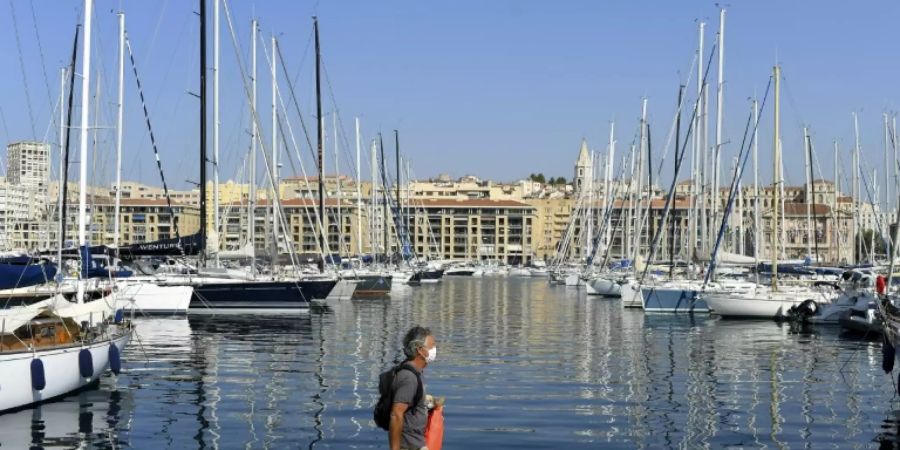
{"type": "Point", "coordinates": [24, 196]}
{"type": "Point", "coordinates": [14, 209]}
{"type": "Point", "coordinates": [29, 164]}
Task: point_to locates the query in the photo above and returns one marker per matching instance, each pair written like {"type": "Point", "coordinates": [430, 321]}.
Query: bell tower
{"type": "Point", "coordinates": [583, 167]}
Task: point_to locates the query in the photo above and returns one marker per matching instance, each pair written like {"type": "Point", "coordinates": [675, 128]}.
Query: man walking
{"type": "Point", "coordinates": [409, 412]}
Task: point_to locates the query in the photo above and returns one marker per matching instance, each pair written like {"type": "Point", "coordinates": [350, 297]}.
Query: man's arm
{"type": "Point", "coordinates": [397, 412]}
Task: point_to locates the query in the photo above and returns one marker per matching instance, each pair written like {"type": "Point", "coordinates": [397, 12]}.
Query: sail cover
{"type": "Point", "coordinates": [14, 274]}
{"type": "Point", "coordinates": [186, 245]}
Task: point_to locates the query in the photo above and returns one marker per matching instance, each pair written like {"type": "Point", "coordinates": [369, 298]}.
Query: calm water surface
{"type": "Point", "coordinates": [522, 364]}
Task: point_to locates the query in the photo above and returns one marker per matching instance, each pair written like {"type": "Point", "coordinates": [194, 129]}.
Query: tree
{"type": "Point", "coordinates": [538, 178]}
{"type": "Point", "coordinates": [864, 240]}
{"type": "Point", "coordinates": [561, 180]}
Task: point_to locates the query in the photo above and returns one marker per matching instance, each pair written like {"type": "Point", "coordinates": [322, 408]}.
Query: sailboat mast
{"type": "Point", "coordinates": [63, 72]}
{"type": "Point", "coordinates": [119, 108]}
{"type": "Point", "coordinates": [408, 202]}
{"type": "Point", "coordinates": [677, 149]}
{"type": "Point", "coordinates": [359, 247]}
{"type": "Point", "coordinates": [626, 236]}
{"type": "Point", "coordinates": [638, 226]}
{"type": "Point", "coordinates": [384, 194]}
{"type": "Point", "coordinates": [215, 162]}
{"type": "Point", "coordinates": [812, 185]}
{"type": "Point", "coordinates": [254, 135]}
{"type": "Point", "coordinates": [589, 215]}
{"type": "Point", "coordinates": [373, 211]}
{"type": "Point", "coordinates": [809, 225]}
{"type": "Point", "coordinates": [85, 120]}
{"type": "Point", "coordinates": [776, 176]}
{"type": "Point", "coordinates": [720, 112]}
{"type": "Point", "coordinates": [609, 173]}
{"type": "Point", "coordinates": [399, 214]}
{"type": "Point", "coordinates": [836, 234]}
{"type": "Point", "coordinates": [203, 205]}
{"type": "Point", "coordinates": [275, 191]}
{"type": "Point", "coordinates": [64, 173]}
{"type": "Point", "coordinates": [698, 142]}
{"type": "Point", "coordinates": [756, 219]}
{"type": "Point", "coordinates": [887, 171]}
{"type": "Point", "coordinates": [337, 177]}
{"type": "Point", "coordinates": [320, 138]}
{"type": "Point", "coordinates": [855, 191]}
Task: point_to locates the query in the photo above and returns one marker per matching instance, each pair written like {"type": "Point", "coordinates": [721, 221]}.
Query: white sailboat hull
{"type": "Point", "coordinates": [754, 307]}
{"type": "Point", "coordinates": [61, 371]}
{"type": "Point", "coordinates": [150, 298]}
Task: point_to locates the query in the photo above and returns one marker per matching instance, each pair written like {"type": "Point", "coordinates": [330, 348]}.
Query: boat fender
{"type": "Point", "coordinates": [38, 379]}
{"type": "Point", "coordinates": [888, 353]}
{"type": "Point", "coordinates": [85, 363]}
{"type": "Point", "coordinates": [809, 308]}
{"type": "Point", "coordinates": [120, 316]}
{"type": "Point", "coordinates": [880, 285]}
{"type": "Point", "coordinates": [802, 312]}
{"type": "Point", "coordinates": [115, 360]}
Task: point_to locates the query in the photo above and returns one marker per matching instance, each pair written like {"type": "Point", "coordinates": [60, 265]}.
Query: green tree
{"type": "Point", "coordinates": [865, 239]}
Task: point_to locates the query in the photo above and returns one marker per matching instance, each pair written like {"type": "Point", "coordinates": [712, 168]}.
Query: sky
{"type": "Point", "coordinates": [497, 89]}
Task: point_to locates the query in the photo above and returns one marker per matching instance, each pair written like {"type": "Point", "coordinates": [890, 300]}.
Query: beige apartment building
{"type": "Point", "coordinates": [141, 220]}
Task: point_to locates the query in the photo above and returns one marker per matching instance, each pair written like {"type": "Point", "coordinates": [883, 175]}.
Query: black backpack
{"type": "Point", "coordinates": [382, 412]}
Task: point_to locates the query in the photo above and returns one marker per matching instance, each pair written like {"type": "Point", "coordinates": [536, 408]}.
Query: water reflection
{"type": "Point", "coordinates": [522, 363]}
{"type": "Point", "coordinates": [86, 419]}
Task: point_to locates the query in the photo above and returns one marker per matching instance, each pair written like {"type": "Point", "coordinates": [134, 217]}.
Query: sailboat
{"type": "Point", "coordinates": [216, 294]}
{"type": "Point", "coordinates": [763, 301]}
{"type": "Point", "coordinates": [54, 347]}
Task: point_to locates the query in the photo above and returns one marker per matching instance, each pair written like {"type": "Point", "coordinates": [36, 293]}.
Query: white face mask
{"type": "Point", "coordinates": [432, 354]}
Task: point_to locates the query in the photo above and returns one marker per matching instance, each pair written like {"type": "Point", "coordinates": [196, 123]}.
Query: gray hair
{"type": "Point", "coordinates": [414, 340]}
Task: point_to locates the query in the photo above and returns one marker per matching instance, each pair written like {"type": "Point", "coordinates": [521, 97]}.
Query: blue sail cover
{"type": "Point", "coordinates": [91, 268]}
{"type": "Point", "coordinates": [24, 272]}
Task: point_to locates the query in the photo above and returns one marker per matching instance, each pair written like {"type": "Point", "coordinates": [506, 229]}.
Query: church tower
{"type": "Point", "coordinates": [583, 167]}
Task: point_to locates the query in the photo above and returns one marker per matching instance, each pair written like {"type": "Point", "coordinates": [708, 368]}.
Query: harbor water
{"type": "Point", "coordinates": [523, 364]}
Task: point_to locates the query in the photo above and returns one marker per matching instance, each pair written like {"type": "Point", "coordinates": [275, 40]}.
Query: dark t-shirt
{"type": "Point", "coordinates": [405, 387]}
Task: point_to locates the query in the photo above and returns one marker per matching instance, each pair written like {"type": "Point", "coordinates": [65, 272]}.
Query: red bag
{"type": "Point", "coordinates": [434, 428]}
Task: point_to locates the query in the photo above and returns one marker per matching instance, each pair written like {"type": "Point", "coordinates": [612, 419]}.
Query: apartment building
{"type": "Point", "coordinates": [472, 229]}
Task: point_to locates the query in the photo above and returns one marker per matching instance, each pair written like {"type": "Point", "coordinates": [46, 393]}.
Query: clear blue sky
{"type": "Point", "coordinates": [498, 89]}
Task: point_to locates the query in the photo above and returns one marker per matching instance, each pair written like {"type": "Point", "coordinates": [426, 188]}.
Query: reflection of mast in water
{"type": "Point", "coordinates": [637, 378]}
{"type": "Point", "coordinates": [701, 387]}
{"type": "Point", "coordinates": [204, 358]}
{"type": "Point", "coordinates": [775, 401]}
{"type": "Point", "coordinates": [318, 397]}
{"type": "Point", "coordinates": [669, 427]}
{"type": "Point", "coordinates": [357, 375]}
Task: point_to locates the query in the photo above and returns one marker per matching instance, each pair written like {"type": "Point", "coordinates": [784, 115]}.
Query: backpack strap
{"type": "Point", "coordinates": [420, 388]}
